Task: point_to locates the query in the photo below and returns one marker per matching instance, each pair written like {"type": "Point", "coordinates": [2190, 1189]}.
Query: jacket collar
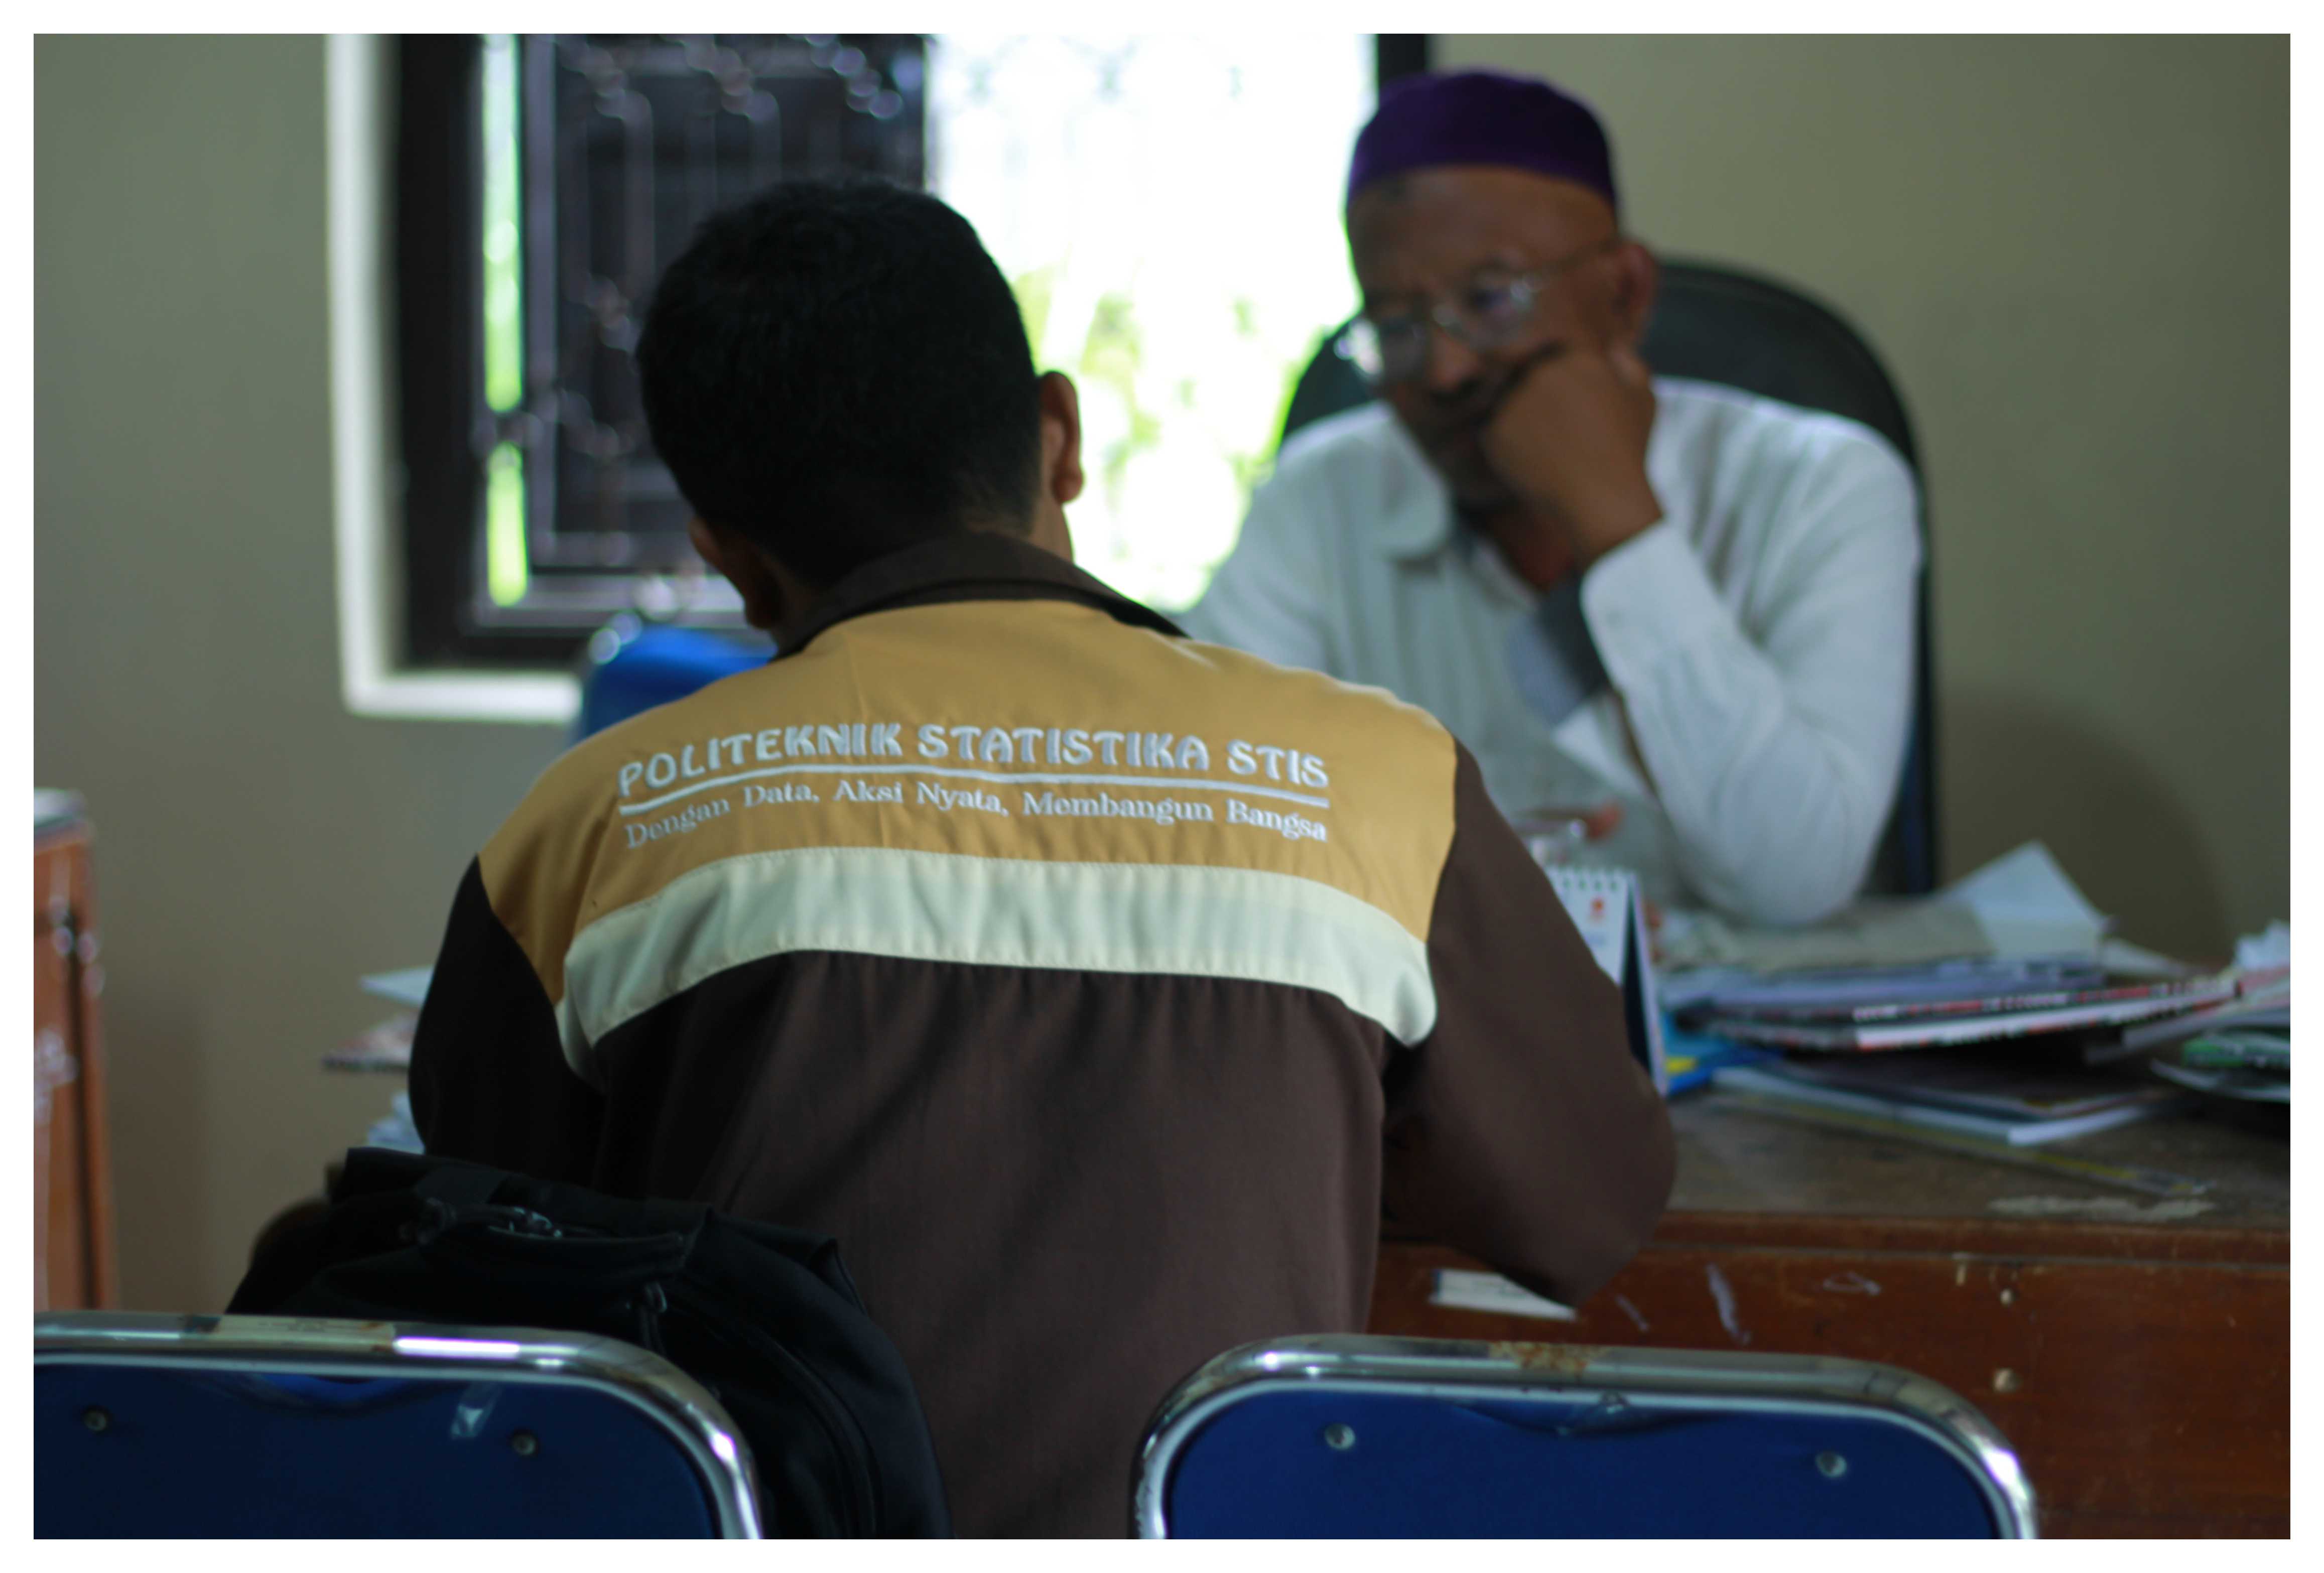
{"type": "Point", "coordinates": [969, 565]}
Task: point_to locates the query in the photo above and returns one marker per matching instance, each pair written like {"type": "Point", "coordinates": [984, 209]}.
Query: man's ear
{"type": "Point", "coordinates": [1631, 302]}
{"type": "Point", "coordinates": [768, 594]}
{"type": "Point", "coordinates": [1062, 479]}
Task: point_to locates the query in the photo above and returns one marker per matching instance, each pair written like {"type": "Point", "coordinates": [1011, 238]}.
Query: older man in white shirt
{"type": "Point", "coordinates": [1623, 593]}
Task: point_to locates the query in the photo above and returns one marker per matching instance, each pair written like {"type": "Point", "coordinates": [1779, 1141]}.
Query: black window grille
{"type": "Point", "coordinates": [542, 182]}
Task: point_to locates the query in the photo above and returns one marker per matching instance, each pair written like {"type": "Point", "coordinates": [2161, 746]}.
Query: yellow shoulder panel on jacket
{"type": "Point", "coordinates": [1038, 732]}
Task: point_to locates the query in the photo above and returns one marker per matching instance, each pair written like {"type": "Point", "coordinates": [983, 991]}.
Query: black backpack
{"type": "Point", "coordinates": [764, 1317]}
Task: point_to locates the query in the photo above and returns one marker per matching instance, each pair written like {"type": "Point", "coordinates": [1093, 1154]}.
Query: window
{"type": "Point", "coordinates": [542, 182]}
{"type": "Point", "coordinates": [534, 185]}
{"type": "Point", "coordinates": [1182, 281]}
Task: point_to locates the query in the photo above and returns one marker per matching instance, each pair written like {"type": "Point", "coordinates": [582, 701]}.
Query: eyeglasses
{"type": "Point", "coordinates": [1489, 314]}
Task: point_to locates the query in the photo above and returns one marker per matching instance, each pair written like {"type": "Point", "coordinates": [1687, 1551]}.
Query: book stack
{"type": "Point", "coordinates": [2005, 1095]}
{"type": "Point", "coordinates": [2238, 1048]}
{"type": "Point", "coordinates": [1944, 1004]}
{"type": "Point", "coordinates": [387, 1047]}
{"type": "Point", "coordinates": [2009, 1050]}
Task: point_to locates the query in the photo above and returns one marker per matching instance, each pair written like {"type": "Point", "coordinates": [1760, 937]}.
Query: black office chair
{"type": "Point", "coordinates": [1719, 324]}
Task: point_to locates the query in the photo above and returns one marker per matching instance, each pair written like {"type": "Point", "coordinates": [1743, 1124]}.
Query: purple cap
{"type": "Point", "coordinates": [1482, 117]}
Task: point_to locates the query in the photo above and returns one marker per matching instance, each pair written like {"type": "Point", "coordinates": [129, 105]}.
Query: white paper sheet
{"type": "Point", "coordinates": [2028, 906]}
{"type": "Point", "coordinates": [2259, 951]}
{"type": "Point", "coordinates": [1472, 1291]}
{"type": "Point", "coordinates": [407, 987]}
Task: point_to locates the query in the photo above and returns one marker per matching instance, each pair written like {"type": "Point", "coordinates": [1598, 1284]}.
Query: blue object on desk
{"type": "Point", "coordinates": [653, 666]}
{"type": "Point", "coordinates": [1707, 1054]}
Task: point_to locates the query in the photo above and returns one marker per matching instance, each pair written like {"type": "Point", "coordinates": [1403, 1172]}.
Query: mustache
{"type": "Point", "coordinates": [1471, 406]}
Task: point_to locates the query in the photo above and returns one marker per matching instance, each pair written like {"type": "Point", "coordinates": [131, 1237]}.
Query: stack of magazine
{"type": "Point", "coordinates": [2000, 1045]}
{"type": "Point", "coordinates": [2238, 1048]}
{"type": "Point", "coordinates": [2007, 1095]}
{"type": "Point", "coordinates": [387, 1047]}
{"type": "Point", "coordinates": [1999, 1009]}
{"type": "Point", "coordinates": [2012, 1049]}
{"type": "Point", "coordinates": [1944, 1004]}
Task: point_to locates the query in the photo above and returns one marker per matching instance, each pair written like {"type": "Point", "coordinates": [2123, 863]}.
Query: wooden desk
{"type": "Point", "coordinates": [2137, 1354]}
{"type": "Point", "coordinates": [72, 1190]}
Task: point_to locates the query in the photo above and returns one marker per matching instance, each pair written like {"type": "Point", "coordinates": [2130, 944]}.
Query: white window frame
{"type": "Point", "coordinates": [368, 516]}
{"type": "Point", "coordinates": [367, 510]}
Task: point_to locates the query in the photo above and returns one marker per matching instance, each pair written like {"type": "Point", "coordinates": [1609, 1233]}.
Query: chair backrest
{"type": "Point", "coordinates": [1338, 1437]}
{"type": "Point", "coordinates": [1721, 324]}
{"type": "Point", "coordinates": [632, 667]}
{"type": "Point", "coordinates": [254, 1426]}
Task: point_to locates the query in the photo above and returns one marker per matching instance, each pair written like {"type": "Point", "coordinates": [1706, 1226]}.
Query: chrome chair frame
{"type": "Point", "coordinates": [314, 1347]}
{"type": "Point", "coordinates": [1696, 1381]}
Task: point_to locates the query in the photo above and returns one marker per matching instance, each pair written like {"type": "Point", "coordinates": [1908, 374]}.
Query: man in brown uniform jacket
{"type": "Point", "coordinates": [1097, 990]}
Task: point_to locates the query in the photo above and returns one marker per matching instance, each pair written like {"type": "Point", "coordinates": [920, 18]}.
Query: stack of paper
{"type": "Point", "coordinates": [2007, 990]}
{"type": "Point", "coordinates": [1942, 1004]}
{"type": "Point", "coordinates": [408, 986]}
{"type": "Point", "coordinates": [2007, 1095]}
{"type": "Point", "coordinates": [2012, 951]}
{"type": "Point", "coordinates": [385, 1047]}
{"type": "Point", "coordinates": [396, 1129]}
{"type": "Point", "coordinates": [388, 1047]}
{"type": "Point", "coordinates": [2238, 1048]}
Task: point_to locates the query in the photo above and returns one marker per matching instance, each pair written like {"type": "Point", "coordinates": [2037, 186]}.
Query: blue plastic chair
{"type": "Point", "coordinates": [1383, 1438]}
{"type": "Point", "coordinates": [256, 1426]}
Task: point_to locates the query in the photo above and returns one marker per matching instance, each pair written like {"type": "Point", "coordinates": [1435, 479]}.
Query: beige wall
{"type": "Point", "coordinates": [258, 848]}
{"type": "Point", "coordinates": [2073, 254]}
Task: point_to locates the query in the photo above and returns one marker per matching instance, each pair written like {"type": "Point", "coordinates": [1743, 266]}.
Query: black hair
{"type": "Point", "coordinates": [837, 370]}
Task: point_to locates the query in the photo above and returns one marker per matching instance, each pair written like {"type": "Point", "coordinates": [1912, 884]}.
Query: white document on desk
{"type": "Point", "coordinates": [2028, 906]}
{"type": "Point", "coordinates": [1468, 1290]}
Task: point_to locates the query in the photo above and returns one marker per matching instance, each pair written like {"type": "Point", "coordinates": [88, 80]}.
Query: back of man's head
{"type": "Point", "coordinates": [836, 371]}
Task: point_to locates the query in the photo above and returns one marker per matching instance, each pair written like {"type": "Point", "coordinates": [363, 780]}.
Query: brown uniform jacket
{"type": "Point", "coordinates": [1096, 989]}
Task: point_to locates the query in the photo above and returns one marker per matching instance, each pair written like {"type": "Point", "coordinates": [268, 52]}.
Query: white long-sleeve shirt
{"type": "Point", "coordinates": [1759, 636]}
